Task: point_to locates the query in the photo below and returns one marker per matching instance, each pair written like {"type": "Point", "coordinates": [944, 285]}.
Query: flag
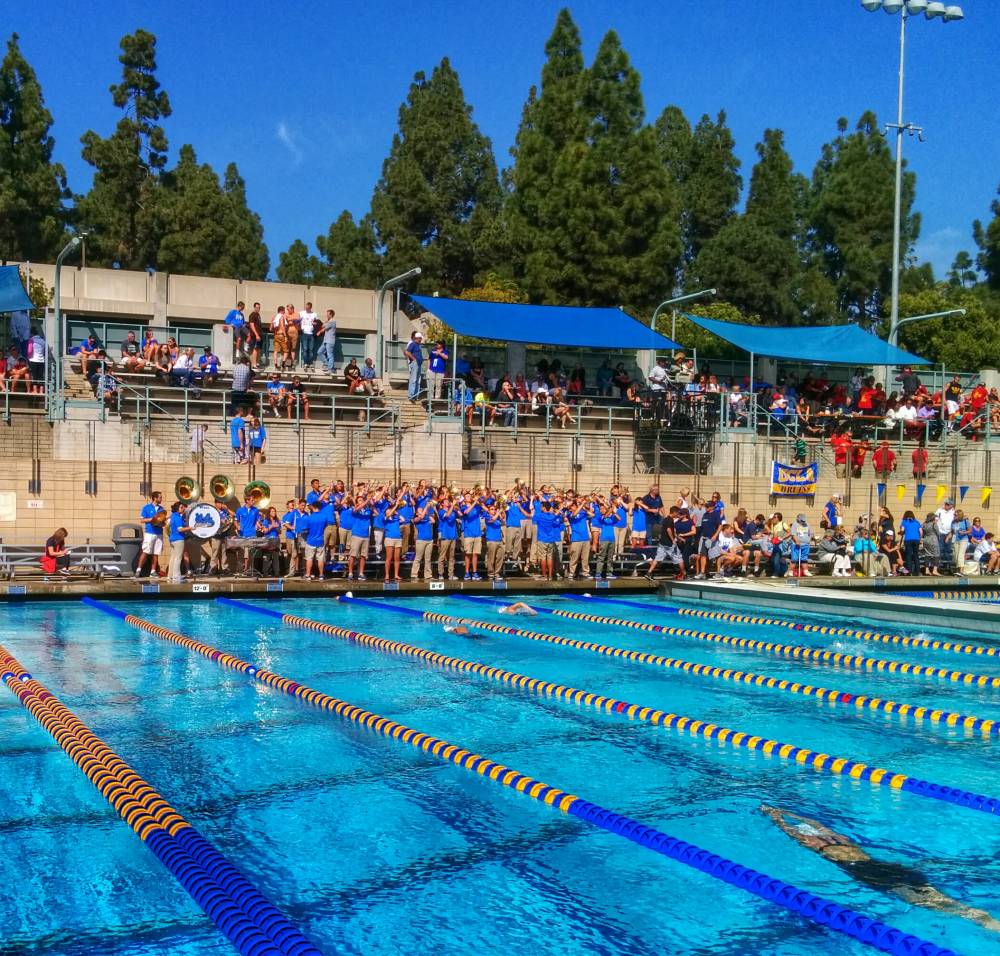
{"type": "Point", "coordinates": [881, 490]}
{"type": "Point", "coordinates": [920, 493]}
{"type": "Point", "coordinates": [985, 497]}
{"type": "Point", "coordinates": [900, 492]}
{"type": "Point", "coordinates": [963, 490]}
{"type": "Point", "coordinates": [942, 490]}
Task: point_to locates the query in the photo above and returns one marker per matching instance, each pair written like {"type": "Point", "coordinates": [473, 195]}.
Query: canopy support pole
{"type": "Point", "coordinates": [753, 397]}
{"type": "Point", "coordinates": [454, 374]}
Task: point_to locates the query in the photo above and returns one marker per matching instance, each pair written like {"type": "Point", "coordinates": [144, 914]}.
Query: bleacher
{"type": "Point", "coordinates": [23, 562]}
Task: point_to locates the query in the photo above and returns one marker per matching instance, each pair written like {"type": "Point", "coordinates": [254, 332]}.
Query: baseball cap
{"type": "Point", "coordinates": [418, 335]}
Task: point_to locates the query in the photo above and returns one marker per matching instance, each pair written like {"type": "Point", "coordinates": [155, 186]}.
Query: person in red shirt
{"type": "Point", "coordinates": [920, 462]}
{"type": "Point", "coordinates": [884, 460]}
{"type": "Point", "coordinates": [858, 455]}
{"type": "Point", "coordinates": [841, 444]}
{"type": "Point", "coordinates": [978, 397]}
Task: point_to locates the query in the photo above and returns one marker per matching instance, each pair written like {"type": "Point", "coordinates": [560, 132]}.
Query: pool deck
{"type": "Point", "coordinates": [136, 588]}
{"type": "Point", "coordinates": [853, 597]}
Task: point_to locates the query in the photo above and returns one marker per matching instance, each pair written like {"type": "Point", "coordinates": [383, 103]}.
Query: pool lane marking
{"type": "Point", "coordinates": [837, 766]}
{"type": "Point", "coordinates": [901, 640]}
{"type": "Point", "coordinates": [238, 909]}
{"type": "Point", "coordinates": [820, 911]}
{"type": "Point", "coordinates": [861, 702]}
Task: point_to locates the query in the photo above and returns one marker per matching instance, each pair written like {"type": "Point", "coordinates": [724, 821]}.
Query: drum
{"type": "Point", "coordinates": [204, 520]}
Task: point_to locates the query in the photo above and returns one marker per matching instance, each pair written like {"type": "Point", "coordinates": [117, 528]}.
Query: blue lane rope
{"type": "Point", "coordinates": [821, 911]}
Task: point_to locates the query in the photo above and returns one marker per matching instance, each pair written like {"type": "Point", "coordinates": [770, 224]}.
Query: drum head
{"type": "Point", "coordinates": [204, 521]}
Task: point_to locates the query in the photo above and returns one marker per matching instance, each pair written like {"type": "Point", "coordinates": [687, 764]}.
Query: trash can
{"type": "Point", "coordinates": [128, 541]}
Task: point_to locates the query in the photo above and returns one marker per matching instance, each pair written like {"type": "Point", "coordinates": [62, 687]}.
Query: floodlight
{"type": "Point", "coordinates": [871, 5]}
{"type": "Point", "coordinates": [935, 9]}
{"type": "Point", "coordinates": [892, 6]}
{"type": "Point", "coordinates": [953, 13]}
{"type": "Point", "coordinates": [913, 7]}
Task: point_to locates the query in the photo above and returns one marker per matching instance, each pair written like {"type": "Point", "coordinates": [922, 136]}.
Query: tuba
{"type": "Point", "coordinates": [259, 493]}
{"type": "Point", "coordinates": [186, 489]}
{"type": "Point", "coordinates": [221, 487]}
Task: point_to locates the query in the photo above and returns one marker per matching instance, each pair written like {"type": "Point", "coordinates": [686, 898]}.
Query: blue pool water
{"type": "Point", "coordinates": [369, 846]}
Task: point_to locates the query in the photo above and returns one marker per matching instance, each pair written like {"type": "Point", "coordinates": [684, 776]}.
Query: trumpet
{"type": "Point", "coordinates": [186, 489]}
{"type": "Point", "coordinates": [221, 487]}
{"type": "Point", "coordinates": [259, 493]}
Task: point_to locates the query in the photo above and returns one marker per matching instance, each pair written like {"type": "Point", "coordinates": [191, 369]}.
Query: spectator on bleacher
{"type": "Point", "coordinates": [859, 452]}
{"type": "Point", "coordinates": [308, 324]}
{"type": "Point", "coordinates": [255, 335]}
{"type": "Point", "coordinates": [56, 556]}
{"type": "Point", "coordinates": [414, 362]}
{"type": "Point", "coordinates": [106, 388]}
{"type": "Point", "coordinates": [605, 377]}
{"type": "Point", "coordinates": [173, 348]}
{"type": "Point", "coordinates": [328, 347]}
{"type": "Point", "coordinates": [20, 329]}
{"type": "Point", "coordinates": [987, 555]}
{"type": "Point", "coordinates": [150, 346]}
{"type": "Point", "coordinates": [95, 364]}
{"type": "Point", "coordinates": [3, 370]}
{"type": "Point", "coordinates": [561, 409]}
{"type": "Point", "coordinates": [911, 532]}
{"type": "Point", "coordinates": [352, 376]}
{"type": "Point", "coordinates": [369, 380]}
{"type": "Point", "coordinates": [294, 319]}
{"type": "Point", "coordinates": [907, 414]}
{"type": "Point", "coordinates": [279, 329]}
{"type": "Point", "coordinates": [952, 399]}
{"type": "Point", "coordinates": [976, 532]}
{"type": "Point", "coordinates": [242, 384]}
{"type": "Point", "coordinates": [18, 371]}
{"type": "Point", "coordinates": [841, 444]}
{"type": "Point", "coordinates": [276, 394]}
{"type": "Point", "coordinates": [909, 380]}
{"type": "Point", "coordinates": [238, 435]}
{"type": "Point", "coordinates": [476, 376]}
{"type": "Point", "coordinates": [621, 379]}
{"type": "Point", "coordinates": [37, 362]}
{"type": "Point", "coordinates": [867, 557]}
{"type": "Point", "coordinates": [506, 404]}
{"type": "Point", "coordinates": [437, 368]}
{"type": "Point", "coordinates": [208, 364]}
{"type": "Point", "coordinates": [235, 322]}
{"type": "Point", "coordinates": [944, 520]}
{"type": "Point", "coordinates": [893, 553]}
{"type": "Point", "coordinates": [256, 441]}
{"type": "Point", "coordinates": [183, 372]}
{"type": "Point", "coordinates": [162, 364]}
{"type": "Point", "coordinates": [297, 398]}
{"type": "Point", "coordinates": [88, 349]}
{"type": "Point", "coordinates": [132, 356]}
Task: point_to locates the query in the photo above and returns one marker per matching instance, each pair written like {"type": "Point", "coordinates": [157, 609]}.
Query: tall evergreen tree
{"type": "Point", "coordinates": [852, 215]}
{"type": "Point", "coordinates": [755, 258]}
{"type": "Point", "coordinates": [32, 187]}
{"type": "Point", "coordinates": [246, 254]}
{"type": "Point", "coordinates": [439, 187]}
{"type": "Point", "coordinates": [297, 265]}
{"type": "Point", "coordinates": [122, 208]}
{"type": "Point", "coordinates": [962, 273]}
{"type": "Point", "coordinates": [988, 240]}
{"type": "Point", "coordinates": [552, 119]}
{"type": "Point", "coordinates": [349, 250]}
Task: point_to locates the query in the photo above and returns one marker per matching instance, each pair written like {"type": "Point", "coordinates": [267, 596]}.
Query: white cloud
{"type": "Point", "coordinates": [289, 140]}
{"type": "Point", "coordinates": [939, 248]}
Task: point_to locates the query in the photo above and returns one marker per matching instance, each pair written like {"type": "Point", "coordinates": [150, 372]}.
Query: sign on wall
{"type": "Point", "coordinates": [794, 481]}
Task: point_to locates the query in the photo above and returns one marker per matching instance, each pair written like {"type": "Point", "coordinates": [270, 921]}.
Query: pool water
{"type": "Point", "coordinates": [370, 846]}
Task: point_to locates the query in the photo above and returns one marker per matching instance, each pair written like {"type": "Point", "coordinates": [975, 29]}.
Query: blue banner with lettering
{"type": "Point", "coordinates": [794, 481]}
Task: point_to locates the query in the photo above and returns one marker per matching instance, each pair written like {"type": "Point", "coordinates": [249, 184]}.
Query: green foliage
{"type": "Point", "coordinates": [494, 288]}
{"type": "Point", "coordinates": [852, 214]}
{"type": "Point", "coordinates": [439, 187]}
{"type": "Point", "coordinates": [246, 255]}
{"type": "Point", "coordinates": [39, 293]}
{"type": "Point", "coordinates": [988, 240]}
{"type": "Point", "coordinates": [297, 266]}
{"type": "Point", "coordinates": [963, 271]}
{"type": "Point", "coordinates": [963, 342]}
{"type": "Point", "coordinates": [123, 208]}
{"type": "Point", "coordinates": [349, 250]}
{"type": "Point", "coordinates": [693, 336]}
{"type": "Point", "coordinates": [32, 187]}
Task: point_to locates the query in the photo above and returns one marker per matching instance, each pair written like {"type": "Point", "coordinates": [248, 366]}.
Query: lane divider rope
{"type": "Point", "coordinates": [837, 766]}
{"type": "Point", "coordinates": [986, 597]}
{"type": "Point", "coordinates": [902, 640]}
{"type": "Point", "coordinates": [820, 911]}
{"type": "Point", "coordinates": [247, 918]}
{"type": "Point", "coordinates": [986, 727]}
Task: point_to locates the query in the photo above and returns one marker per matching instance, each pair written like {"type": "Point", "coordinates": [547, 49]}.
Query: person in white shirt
{"type": "Point", "coordinates": [944, 518]}
{"type": "Point", "coordinates": [987, 555]}
{"type": "Point", "coordinates": [308, 325]}
{"type": "Point", "coordinates": [657, 381]}
{"type": "Point", "coordinates": [183, 369]}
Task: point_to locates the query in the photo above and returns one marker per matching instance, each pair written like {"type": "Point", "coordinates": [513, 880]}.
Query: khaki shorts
{"type": "Point", "coordinates": [393, 542]}
{"type": "Point", "coordinates": [472, 545]}
{"type": "Point", "coordinates": [280, 342]}
{"type": "Point", "coordinates": [359, 545]}
{"type": "Point", "coordinates": [313, 551]}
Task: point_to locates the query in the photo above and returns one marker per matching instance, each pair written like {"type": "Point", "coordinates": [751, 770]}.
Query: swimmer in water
{"type": "Point", "coordinates": [519, 607]}
{"type": "Point", "coordinates": [461, 630]}
{"type": "Point", "coordinates": [902, 881]}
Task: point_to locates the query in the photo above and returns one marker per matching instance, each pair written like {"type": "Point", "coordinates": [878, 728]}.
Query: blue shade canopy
{"type": "Point", "coordinates": [545, 324]}
{"type": "Point", "coordinates": [827, 344]}
{"type": "Point", "coordinates": [13, 298]}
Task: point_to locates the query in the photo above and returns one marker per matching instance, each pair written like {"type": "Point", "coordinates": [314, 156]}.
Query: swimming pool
{"type": "Point", "coordinates": [369, 846]}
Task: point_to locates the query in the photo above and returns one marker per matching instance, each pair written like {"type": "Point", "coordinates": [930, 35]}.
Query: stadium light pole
{"type": "Point", "coordinates": [55, 393]}
{"type": "Point", "coordinates": [379, 338]}
{"type": "Point", "coordinates": [673, 312]}
{"type": "Point", "coordinates": [905, 8]}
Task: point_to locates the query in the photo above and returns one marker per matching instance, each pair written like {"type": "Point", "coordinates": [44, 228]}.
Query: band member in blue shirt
{"type": "Point", "coordinates": [423, 522]}
{"type": "Point", "coordinates": [393, 539]}
{"type": "Point", "coordinates": [238, 436]}
{"type": "Point", "coordinates": [472, 537]}
{"type": "Point", "coordinates": [360, 518]}
{"type": "Point", "coordinates": [246, 524]}
{"type": "Point", "coordinates": [152, 516]}
{"type": "Point", "coordinates": [579, 514]}
{"type": "Point", "coordinates": [517, 513]}
{"type": "Point", "coordinates": [288, 534]}
{"type": "Point", "coordinates": [609, 519]}
{"type": "Point", "coordinates": [437, 368]}
{"type": "Point", "coordinates": [550, 528]}
{"type": "Point", "coordinates": [494, 519]}
{"type": "Point", "coordinates": [178, 541]}
{"type": "Point", "coordinates": [315, 526]}
{"type": "Point", "coordinates": [447, 536]}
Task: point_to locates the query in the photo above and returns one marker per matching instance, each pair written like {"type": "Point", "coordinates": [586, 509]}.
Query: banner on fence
{"type": "Point", "coordinates": [794, 481]}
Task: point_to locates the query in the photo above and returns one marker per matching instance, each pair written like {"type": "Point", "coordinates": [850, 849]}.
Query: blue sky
{"type": "Point", "coordinates": [306, 101]}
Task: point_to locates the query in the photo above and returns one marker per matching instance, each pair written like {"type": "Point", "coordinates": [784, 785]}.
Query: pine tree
{"type": "Point", "coordinates": [246, 255]}
{"type": "Point", "coordinates": [963, 271]}
{"type": "Point", "coordinates": [32, 187]}
{"type": "Point", "coordinates": [349, 250]}
{"type": "Point", "coordinates": [755, 258]}
{"type": "Point", "coordinates": [298, 266]}
{"type": "Point", "coordinates": [852, 215]}
{"type": "Point", "coordinates": [988, 240]}
{"type": "Point", "coordinates": [122, 209]}
{"type": "Point", "coordinates": [439, 187]}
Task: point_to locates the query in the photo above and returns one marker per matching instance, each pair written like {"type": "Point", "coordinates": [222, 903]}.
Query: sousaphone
{"type": "Point", "coordinates": [259, 493]}
{"type": "Point", "coordinates": [187, 490]}
{"type": "Point", "coordinates": [222, 487]}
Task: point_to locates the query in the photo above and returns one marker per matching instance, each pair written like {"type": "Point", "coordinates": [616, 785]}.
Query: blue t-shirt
{"type": "Point", "coordinates": [494, 529]}
{"type": "Point", "coordinates": [272, 529]}
{"type": "Point", "coordinates": [346, 519]}
{"type": "Point", "coordinates": [315, 528]}
{"type": "Point", "coordinates": [209, 363]}
{"type": "Point", "coordinates": [150, 511]}
{"type": "Point", "coordinates": [301, 523]}
{"type": "Point", "coordinates": [471, 525]}
{"type": "Point", "coordinates": [608, 524]}
{"type": "Point", "coordinates": [274, 387]}
{"type": "Point", "coordinates": [638, 521]}
{"type": "Point", "coordinates": [257, 436]}
{"type": "Point", "coordinates": [392, 525]}
{"type": "Point", "coordinates": [682, 526]}
{"type": "Point", "coordinates": [977, 533]}
{"type": "Point", "coordinates": [176, 523]}
{"type": "Point", "coordinates": [413, 347]}
{"type": "Point", "coordinates": [960, 529]}
{"type": "Point", "coordinates": [710, 523]}
{"type": "Point", "coordinates": [289, 517]}
{"type": "Point", "coordinates": [237, 424]}
{"type": "Point", "coordinates": [436, 362]}
{"type": "Point", "coordinates": [235, 318]}
{"type": "Point", "coordinates": [621, 517]}
{"type": "Point", "coordinates": [424, 526]}
{"type": "Point", "coordinates": [579, 526]}
{"type": "Point", "coordinates": [406, 510]}
{"type": "Point", "coordinates": [246, 520]}
{"type": "Point", "coordinates": [360, 520]}
{"type": "Point", "coordinates": [378, 514]}
{"type": "Point", "coordinates": [514, 514]}
{"type": "Point", "coordinates": [313, 496]}
{"type": "Point", "coordinates": [549, 527]}
{"type": "Point", "coordinates": [911, 529]}
{"type": "Point", "coordinates": [447, 525]}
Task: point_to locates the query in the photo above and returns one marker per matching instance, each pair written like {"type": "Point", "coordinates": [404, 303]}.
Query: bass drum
{"type": "Point", "coordinates": [204, 520]}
